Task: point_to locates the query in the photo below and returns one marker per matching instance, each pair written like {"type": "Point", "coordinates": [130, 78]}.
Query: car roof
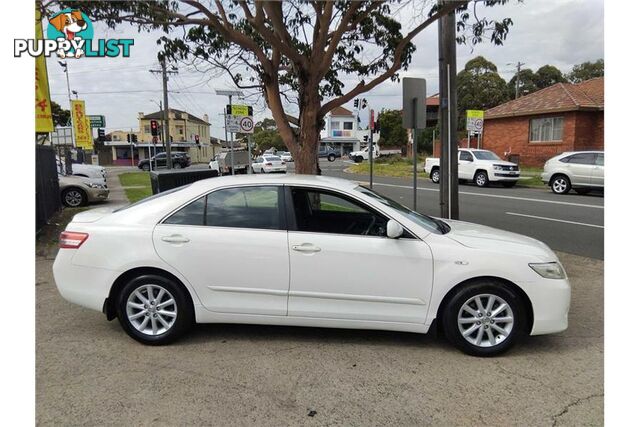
{"type": "Point", "coordinates": [286, 179]}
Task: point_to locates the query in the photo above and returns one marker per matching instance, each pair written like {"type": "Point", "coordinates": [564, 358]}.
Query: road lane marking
{"type": "Point", "coordinates": [498, 196]}
{"type": "Point", "coordinates": [556, 220]}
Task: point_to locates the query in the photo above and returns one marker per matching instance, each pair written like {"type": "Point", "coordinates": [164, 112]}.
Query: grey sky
{"type": "Point", "coordinates": [556, 32]}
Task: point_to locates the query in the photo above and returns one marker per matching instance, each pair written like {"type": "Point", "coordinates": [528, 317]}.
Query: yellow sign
{"type": "Point", "coordinates": [475, 114]}
{"type": "Point", "coordinates": [239, 110]}
{"type": "Point", "coordinates": [81, 125]}
{"type": "Point", "coordinates": [44, 119]}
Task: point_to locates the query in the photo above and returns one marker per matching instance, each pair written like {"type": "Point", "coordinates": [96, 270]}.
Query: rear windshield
{"type": "Point", "coordinates": [272, 159]}
{"type": "Point", "coordinates": [150, 198]}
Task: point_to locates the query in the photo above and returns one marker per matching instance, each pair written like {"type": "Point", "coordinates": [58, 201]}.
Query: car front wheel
{"type": "Point", "coordinates": [154, 310]}
{"type": "Point", "coordinates": [74, 197]}
{"type": "Point", "coordinates": [146, 167]}
{"type": "Point", "coordinates": [560, 184]}
{"type": "Point", "coordinates": [481, 179]}
{"type": "Point", "coordinates": [331, 157]}
{"type": "Point", "coordinates": [177, 166]}
{"type": "Point", "coordinates": [484, 318]}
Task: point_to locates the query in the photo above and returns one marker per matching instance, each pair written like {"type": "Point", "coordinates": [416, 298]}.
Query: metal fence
{"type": "Point", "coordinates": [47, 189]}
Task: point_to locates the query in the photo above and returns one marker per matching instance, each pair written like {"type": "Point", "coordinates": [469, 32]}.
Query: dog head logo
{"type": "Point", "coordinates": [69, 23]}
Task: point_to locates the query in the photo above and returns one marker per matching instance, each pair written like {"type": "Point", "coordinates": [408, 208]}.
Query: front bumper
{"type": "Point", "coordinates": [97, 194]}
{"type": "Point", "coordinates": [500, 175]}
{"type": "Point", "coordinates": [550, 300]}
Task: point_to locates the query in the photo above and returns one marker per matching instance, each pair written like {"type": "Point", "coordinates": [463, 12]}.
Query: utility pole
{"type": "Point", "coordinates": [518, 67]}
{"type": "Point", "coordinates": [165, 93]}
{"type": "Point", "coordinates": [448, 117]}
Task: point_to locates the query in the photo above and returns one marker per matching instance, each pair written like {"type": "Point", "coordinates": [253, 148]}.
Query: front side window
{"type": "Point", "coordinates": [321, 211]}
{"type": "Point", "coordinates": [546, 129]}
{"type": "Point", "coordinates": [466, 156]}
{"type": "Point", "coordinates": [243, 207]}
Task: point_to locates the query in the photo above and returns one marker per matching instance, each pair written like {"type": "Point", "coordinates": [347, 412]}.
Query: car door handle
{"type": "Point", "coordinates": [175, 238]}
{"type": "Point", "coordinates": [305, 247]}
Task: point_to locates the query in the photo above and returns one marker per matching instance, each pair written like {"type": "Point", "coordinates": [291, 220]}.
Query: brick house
{"type": "Point", "coordinates": [559, 118]}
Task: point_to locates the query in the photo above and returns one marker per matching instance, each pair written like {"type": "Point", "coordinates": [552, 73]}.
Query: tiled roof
{"type": "Point", "coordinates": [588, 95]}
{"type": "Point", "coordinates": [159, 115]}
{"type": "Point", "coordinates": [433, 100]}
{"type": "Point", "coordinates": [341, 111]}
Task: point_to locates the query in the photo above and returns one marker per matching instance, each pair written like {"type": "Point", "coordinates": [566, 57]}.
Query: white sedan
{"type": "Point", "coordinates": [330, 254]}
{"type": "Point", "coordinates": [268, 164]}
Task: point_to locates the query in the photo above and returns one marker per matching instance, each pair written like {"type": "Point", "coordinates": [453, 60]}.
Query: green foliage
{"type": "Point", "coordinates": [586, 70]}
{"type": "Point", "coordinates": [392, 134]}
{"type": "Point", "coordinates": [480, 87]}
{"type": "Point", "coordinates": [266, 136]}
{"type": "Point", "coordinates": [61, 117]}
{"type": "Point", "coordinates": [527, 83]}
{"type": "Point", "coordinates": [425, 139]}
{"type": "Point", "coordinates": [548, 75]}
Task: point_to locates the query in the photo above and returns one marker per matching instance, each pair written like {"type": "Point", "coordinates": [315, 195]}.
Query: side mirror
{"type": "Point", "coordinates": [394, 229]}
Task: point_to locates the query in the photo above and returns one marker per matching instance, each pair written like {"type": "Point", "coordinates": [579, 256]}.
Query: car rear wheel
{"type": "Point", "coordinates": [331, 157]}
{"type": "Point", "coordinates": [74, 197]}
{"type": "Point", "coordinates": [154, 310]}
{"type": "Point", "coordinates": [560, 184]}
{"type": "Point", "coordinates": [481, 179]}
{"type": "Point", "coordinates": [484, 318]}
{"type": "Point", "coordinates": [359, 159]}
{"type": "Point", "coordinates": [177, 166]}
{"type": "Point", "coordinates": [435, 175]}
{"type": "Point", "coordinates": [146, 167]}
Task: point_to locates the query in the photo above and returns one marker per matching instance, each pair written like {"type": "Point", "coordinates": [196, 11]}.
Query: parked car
{"type": "Point", "coordinates": [285, 155]}
{"type": "Point", "coordinates": [222, 162]}
{"type": "Point", "coordinates": [268, 164]}
{"type": "Point", "coordinates": [189, 255]}
{"type": "Point", "coordinates": [179, 161]}
{"type": "Point", "coordinates": [581, 171]}
{"type": "Point", "coordinates": [328, 152]}
{"type": "Point", "coordinates": [359, 156]}
{"type": "Point", "coordinates": [88, 171]}
{"type": "Point", "coordinates": [480, 166]}
{"type": "Point", "coordinates": [78, 191]}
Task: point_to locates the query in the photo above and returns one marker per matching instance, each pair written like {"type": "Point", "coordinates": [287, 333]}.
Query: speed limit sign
{"type": "Point", "coordinates": [246, 124]}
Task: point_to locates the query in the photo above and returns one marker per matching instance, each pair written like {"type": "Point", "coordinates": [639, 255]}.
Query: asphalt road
{"type": "Point", "coordinates": [568, 223]}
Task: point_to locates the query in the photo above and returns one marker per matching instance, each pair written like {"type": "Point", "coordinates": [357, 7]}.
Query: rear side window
{"type": "Point", "coordinates": [600, 159]}
{"type": "Point", "coordinates": [244, 207]}
{"type": "Point", "coordinates": [583, 158]}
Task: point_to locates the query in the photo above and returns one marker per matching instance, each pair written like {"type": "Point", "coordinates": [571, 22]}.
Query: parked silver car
{"type": "Point", "coordinates": [578, 170]}
{"type": "Point", "coordinates": [78, 191]}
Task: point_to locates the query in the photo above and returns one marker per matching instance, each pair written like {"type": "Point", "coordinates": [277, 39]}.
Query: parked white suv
{"type": "Point", "coordinates": [479, 166]}
{"type": "Point", "coordinates": [580, 170]}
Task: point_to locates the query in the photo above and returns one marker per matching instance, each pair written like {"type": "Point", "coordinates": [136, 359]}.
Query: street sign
{"type": "Point", "coordinates": [239, 110]}
{"type": "Point", "coordinates": [239, 124]}
{"type": "Point", "coordinates": [414, 110]}
{"type": "Point", "coordinates": [475, 120]}
{"type": "Point", "coordinates": [97, 121]}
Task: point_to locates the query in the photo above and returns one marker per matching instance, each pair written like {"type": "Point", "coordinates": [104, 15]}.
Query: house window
{"type": "Point", "coordinates": [335, 125]}
{"type": "Point", "coordinates": [147, 129]}
{"type": "Point", "coordinates": [546, 129]}
{"type": "Point", "coordinates": [348, 126]}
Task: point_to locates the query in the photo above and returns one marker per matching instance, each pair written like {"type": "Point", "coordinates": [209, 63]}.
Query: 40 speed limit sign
{"type": "Point", "coordinates": [246, 124]}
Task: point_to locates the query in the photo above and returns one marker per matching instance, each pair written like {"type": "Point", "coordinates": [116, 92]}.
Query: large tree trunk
{"type": "Point", "coordinates": [308, 140]}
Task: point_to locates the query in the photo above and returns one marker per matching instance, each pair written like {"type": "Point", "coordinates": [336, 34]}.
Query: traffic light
{"type": "Point", "coordinates": [356, 103]}
{"type": "Point", "coordinates": [364, 104]}
{"type": "Point", "coordinates": [101, 136]}
{"type": "Point", "coordinates": [128, 137]}
{"type": "Point", "coordinates": [366, 138]}
{"type": "Point", "coordinates": [134, 137]}
{"type": "Point", "coordinates": [154, 128]}
{"type": "Point", "coordinates": [197, 139]}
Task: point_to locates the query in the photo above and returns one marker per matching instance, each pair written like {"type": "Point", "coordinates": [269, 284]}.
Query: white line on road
{"type": "Point", "coordinates": [556, 220]}
{"type": "Point", "coordinates": [528, 199]}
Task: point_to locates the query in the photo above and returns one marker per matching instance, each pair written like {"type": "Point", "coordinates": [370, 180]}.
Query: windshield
{"type": "Point", "coordinates": [486, 155]}
{"type": "Point", "coordinates": [434, 225]}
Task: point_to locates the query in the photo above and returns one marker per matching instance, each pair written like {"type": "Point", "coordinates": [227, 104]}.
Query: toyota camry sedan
{"type": "Point", "coordinates": [256, 249]}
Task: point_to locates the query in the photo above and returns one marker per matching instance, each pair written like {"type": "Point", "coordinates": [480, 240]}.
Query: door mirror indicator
{"type": "Point", "coordinates": [394, 229]}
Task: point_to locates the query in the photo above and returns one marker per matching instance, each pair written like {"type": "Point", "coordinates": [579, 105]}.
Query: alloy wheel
{"type": "Point", "coordinates": [435, 176]}
{"type": "Point", "coordinates": [559, 185]}
{"type": "Point", "coordinates": [151, 309]}
{"type": "Point", "coordinates": [73, 198]}
{"type": "Point", "coordinates": [485, 320]}
{"type": "Point", "coordinates": [481, 180]}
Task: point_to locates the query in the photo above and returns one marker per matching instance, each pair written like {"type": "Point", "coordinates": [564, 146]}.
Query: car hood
{"type": "Point", "coordinates": [492, 239]}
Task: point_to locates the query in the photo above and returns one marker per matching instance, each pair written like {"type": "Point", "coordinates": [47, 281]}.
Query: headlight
{"type": "Point", "coordinates": [92, 185]}
{"type": "Point", "coordinates": [549, 270]}
{"type": "Point", "coordinates": [497, 167]}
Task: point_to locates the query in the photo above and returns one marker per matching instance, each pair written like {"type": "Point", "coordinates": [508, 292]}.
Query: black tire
{"type": "Point", "coordinates": [331, 157]}
{"type": "Point", "coordinates": [262, 170]}
{"type": "Point", "coordinates": [177, 166]}
{"type": "Point", "coordinates": [216, 173]}
{"type": "Point", "coordinates": [74, 197]}
{"type": "Point", "coordinates": [509, 184]}
{"type": "Point", "coordinates": [453, 306]}
{"type": "Point", "coordinates": [582, 191]}
{"type": "Point", "coordinates": [435, 176]}
{"type": "Point", "coordinates": [146, 167]}
{"type": "Point", "coordinates": [359, 159]}
{"type": "Point", "coordinates": [560, 184]}
{"type": "Point", "coordinates": [481, 179]}
{"type": "Point", "coordinates": [184, 310]}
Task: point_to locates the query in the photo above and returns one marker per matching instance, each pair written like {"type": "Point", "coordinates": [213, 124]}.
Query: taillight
{"type": "Point", "coordinates": [72, 240]}
{"type": "Point", "coordinates": [268, 164]}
